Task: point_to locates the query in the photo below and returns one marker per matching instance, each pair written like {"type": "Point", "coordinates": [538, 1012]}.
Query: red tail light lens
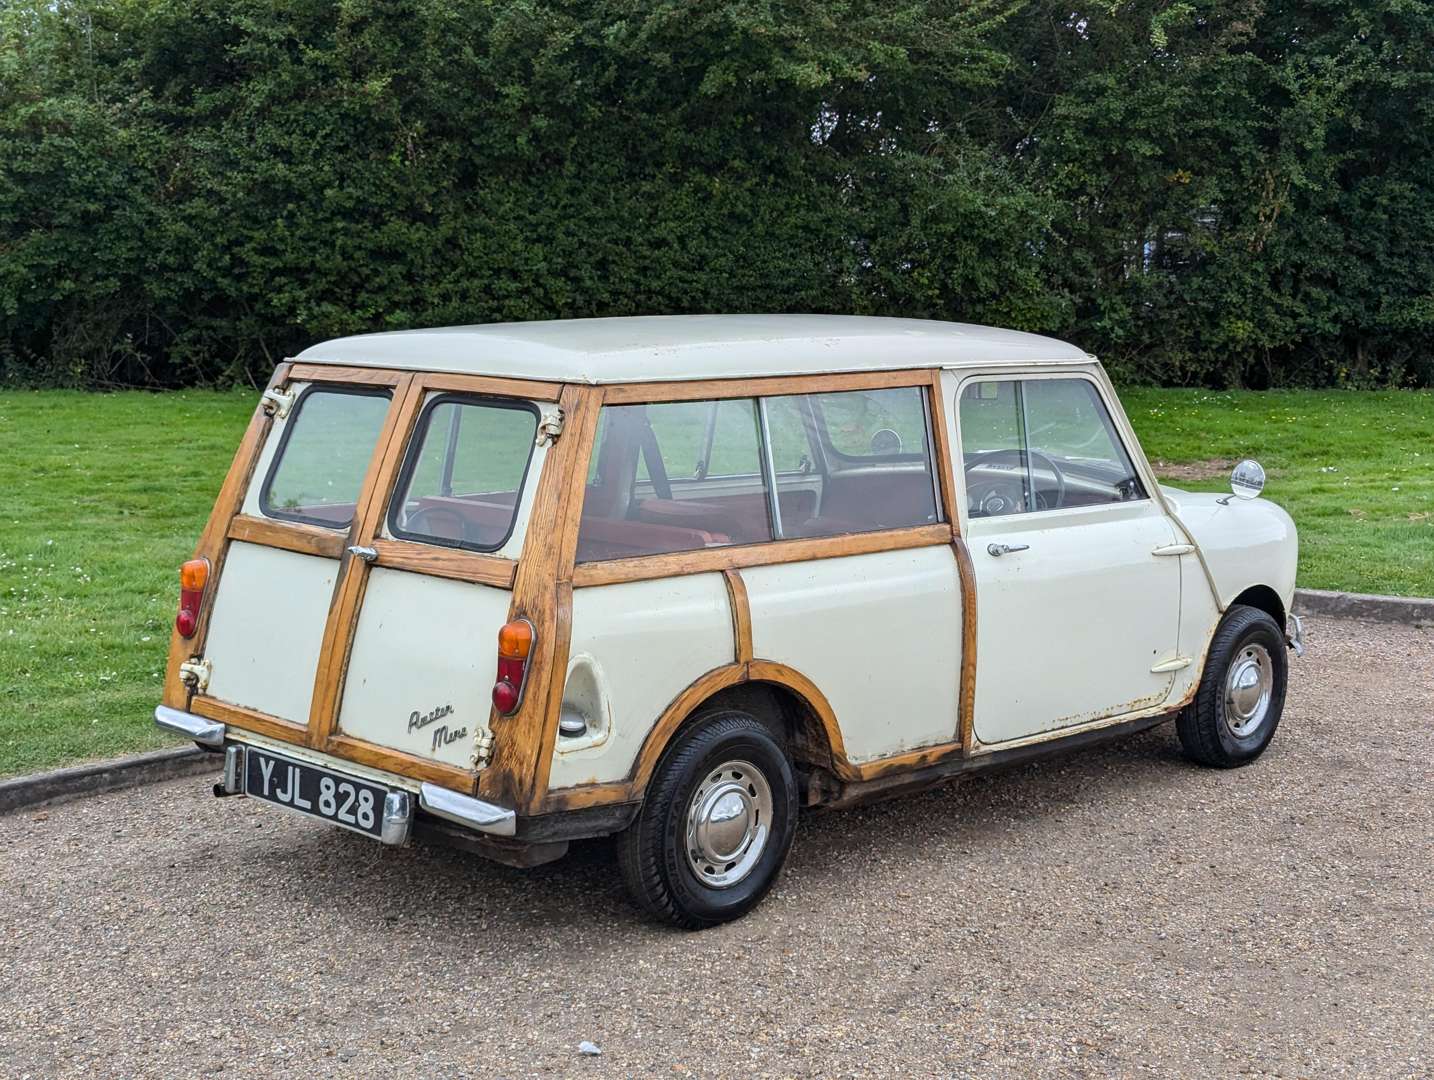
{"type": "Point", "coordinates": [193, 577]}
{"type": "Point", "coordinates": [515, 644]}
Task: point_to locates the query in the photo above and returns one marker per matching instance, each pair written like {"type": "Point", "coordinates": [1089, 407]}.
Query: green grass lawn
{"type": "Point", "coordinates": [105, 494]}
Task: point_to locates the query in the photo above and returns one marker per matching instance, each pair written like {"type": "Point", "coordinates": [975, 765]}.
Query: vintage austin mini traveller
{"type": "Point", "coordinates": [674, 578]}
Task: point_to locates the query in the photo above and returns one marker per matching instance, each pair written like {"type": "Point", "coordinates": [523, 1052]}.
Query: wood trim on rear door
{"type": "Point", "coordinates": [353, 573]}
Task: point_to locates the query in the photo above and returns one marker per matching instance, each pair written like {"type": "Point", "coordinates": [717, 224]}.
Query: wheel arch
{"type": "Point", "coordinates": [1264, 598]}
{"type": "Point", "coordinates": [779, 696]}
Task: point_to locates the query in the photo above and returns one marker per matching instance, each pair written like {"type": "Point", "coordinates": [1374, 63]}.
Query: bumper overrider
{"type": "Point", "coordinates": [398, 811]}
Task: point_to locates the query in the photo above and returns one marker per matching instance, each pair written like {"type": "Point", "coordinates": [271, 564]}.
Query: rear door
{"type": "Point", "coordinates": [370, 566]}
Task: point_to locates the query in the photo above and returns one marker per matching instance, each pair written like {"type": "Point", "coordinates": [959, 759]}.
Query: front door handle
{"type": "Point", "coordinates": [1006, 549]}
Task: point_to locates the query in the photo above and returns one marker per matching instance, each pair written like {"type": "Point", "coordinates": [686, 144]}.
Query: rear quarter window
{"type": "Point", "coordinates": [325, 450]}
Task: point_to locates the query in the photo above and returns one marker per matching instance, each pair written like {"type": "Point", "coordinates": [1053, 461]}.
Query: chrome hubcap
{"type": "Point", "coordinates": [728, 822]}
{"type": "Point", "coordinates": [1249, 684]}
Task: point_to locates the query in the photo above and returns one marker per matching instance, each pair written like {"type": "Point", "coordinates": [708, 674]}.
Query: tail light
{"type": "Point", "coordinates": [515, 644]}
{"type": "Point", "coordinates": [193, 576]}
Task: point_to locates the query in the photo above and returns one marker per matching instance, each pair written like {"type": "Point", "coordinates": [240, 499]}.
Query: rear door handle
{"type": "Point", "coordinates": [1006, 549]}
{"type": "Point", "coordinates": [367, 554]}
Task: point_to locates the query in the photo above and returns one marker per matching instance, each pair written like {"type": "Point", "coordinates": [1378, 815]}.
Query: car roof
{"type": "Point", "coordinates": [682, 347]}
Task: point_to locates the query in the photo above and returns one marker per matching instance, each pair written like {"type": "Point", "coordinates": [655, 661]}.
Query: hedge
{"type": "Point", "coordinates": [1203, 193]}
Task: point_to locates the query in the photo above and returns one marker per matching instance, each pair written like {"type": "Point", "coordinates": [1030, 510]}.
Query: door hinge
{"type": "Point", "coordinates": [195, 672]}
{"type": "Point", "coordinates": [1178, 663]}
{"type": "Point", "coordinates": [277, 403]}
{"type": "Point", "coordinates": [549, 427]}
{"type": "Point", "coordinates": [1174, 549]}
{"type": "Point", "coordinates": [482, 748]}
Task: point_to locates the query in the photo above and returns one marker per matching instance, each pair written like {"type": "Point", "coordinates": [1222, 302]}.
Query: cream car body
{"type": "Point", "coordinates": [843, 529]}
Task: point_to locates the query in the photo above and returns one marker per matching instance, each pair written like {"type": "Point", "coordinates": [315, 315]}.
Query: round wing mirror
{"type": "Point", "coordinates": [1248, 479]}
{"type": "Point", "coordinates": [885, 441]}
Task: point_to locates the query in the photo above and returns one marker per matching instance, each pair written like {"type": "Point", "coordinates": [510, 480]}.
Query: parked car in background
{"type": "Point", "coordinates": [675, 578]}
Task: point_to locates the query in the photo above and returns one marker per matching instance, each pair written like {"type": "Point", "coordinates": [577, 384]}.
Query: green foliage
{"type": "Point", "coordinates": [1210, 192]}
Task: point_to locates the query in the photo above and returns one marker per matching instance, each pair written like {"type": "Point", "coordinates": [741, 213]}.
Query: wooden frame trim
{"type": "Point", "coordinates": [517, 775]}
{"type": "Point", "coordinates": [766, 553]}
{"type": "Point", "coordinates": [214, 542]}
{"type": "Point", "coordinates": [966, 699]}
{"type": "Point", "coordinates": [494, 385]}
{"type": "Point", "coordinates": [338, 373]}
{"type": "Point", "coordinates": [741, 616]}
{"type": "Point", "coordinates": [437, 561]}
{"type": "Point", "coordinates": [250, 720]}
{"type": "Point", "coordinates": [763, 386]}
{"type": "Point", "coordinates": [397, 762]}
{"type": "Point", "coordinates": [943, 453]}
{"type": "Point", "coordinates": [352, 577]}
{"type": "Point", "coordinates": [287, 535]}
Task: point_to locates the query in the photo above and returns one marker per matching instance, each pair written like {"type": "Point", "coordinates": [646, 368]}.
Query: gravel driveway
{"type": "Point", "coordinates": [1116, 912]}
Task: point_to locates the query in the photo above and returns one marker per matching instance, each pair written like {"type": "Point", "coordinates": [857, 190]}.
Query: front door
{"type": "Point", "coordinates": [1078, 593]}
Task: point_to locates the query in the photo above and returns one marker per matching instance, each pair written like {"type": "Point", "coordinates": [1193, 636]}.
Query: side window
{"type": "Point", "coordinates": [676, 476]}
{"type": "Point", "coordinates": [875, 424]}
{"type": "Point", "coordinates": [1041, 444]}
{"type": "Point", "coordinates": [325, 451]}
{"type": "Point", "coordinates": [464, 472]}
{"type": "Point", "coordinates": [875, 473]}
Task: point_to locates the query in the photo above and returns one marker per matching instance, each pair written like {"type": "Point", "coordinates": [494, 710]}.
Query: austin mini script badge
{"type": "Point", "coordinates": [443, 735]}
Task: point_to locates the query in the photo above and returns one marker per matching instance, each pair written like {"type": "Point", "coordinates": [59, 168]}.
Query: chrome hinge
{"type": "Point", "coordinates": [1174, 549]}
{"type": "Point", "coordinates": [482, 748]}
{"type": "Point", "coordinates": [1177, 663]}
{"type": "Point", "coordinates": [549, 427]}
{"type": "Point", "coordinates": [195, 673]}
{"type": "Point", "coordinates": [277, 403]}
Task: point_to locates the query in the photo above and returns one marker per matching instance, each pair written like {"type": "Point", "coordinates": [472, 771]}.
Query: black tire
{"type": "Point", "coordinates": [652, 852]}
{"type": "Point", "coordinates": [1210, 732]}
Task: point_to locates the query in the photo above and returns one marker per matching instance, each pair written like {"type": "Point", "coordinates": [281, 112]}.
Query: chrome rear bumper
{"type": "Point", "coordinates": [471, 813]}
{"type": "Point", "coordinates": [1295, 635]}
{"type": "Point", "coordinates": [205, 732]}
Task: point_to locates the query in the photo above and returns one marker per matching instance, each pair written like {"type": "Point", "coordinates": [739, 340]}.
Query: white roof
{"type": "Point", "coordinates": [672, 347]}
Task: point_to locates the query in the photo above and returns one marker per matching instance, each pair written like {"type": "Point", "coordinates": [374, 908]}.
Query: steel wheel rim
{"type": "Point", "coordinates": [729, 820]}
{"type": "Point", "coordinates": [1249, 686]}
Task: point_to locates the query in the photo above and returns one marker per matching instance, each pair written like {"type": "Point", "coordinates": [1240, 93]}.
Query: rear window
{"type": "Point", "coordinates": [323, 455]}
{"type": "Point", "coordinates": [464, 473]}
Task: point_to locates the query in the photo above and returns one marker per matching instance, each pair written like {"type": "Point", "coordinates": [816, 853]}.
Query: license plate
{"type": "Point", "coordinates": [309, 789]}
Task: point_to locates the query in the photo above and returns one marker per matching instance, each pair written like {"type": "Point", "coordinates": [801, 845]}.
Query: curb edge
{"type": "Point", "coordinates": [1409, 610]}
{"type": "Point", "coordinates": [62, 785]}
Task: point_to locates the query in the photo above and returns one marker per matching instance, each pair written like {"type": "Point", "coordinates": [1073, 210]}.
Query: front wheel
{"type": "Point", "coordinates": [1241, 694]}
{"type": "Point", "coordinates": [716, 825]}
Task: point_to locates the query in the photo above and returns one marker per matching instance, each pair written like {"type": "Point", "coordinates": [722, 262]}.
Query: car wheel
{"type": "Point", "coordinates": [1241, 694]}
{"type": "Point", "coordinates": [715, 826]}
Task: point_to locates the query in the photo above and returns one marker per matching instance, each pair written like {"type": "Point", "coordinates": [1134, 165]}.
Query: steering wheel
{"type": "Point", "coordinates": [426, 520]}
{"type": "Point", "coordinates": [995, 495]}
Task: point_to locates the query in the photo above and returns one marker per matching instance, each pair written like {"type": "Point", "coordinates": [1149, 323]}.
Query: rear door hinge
{"type": "Point", "coordinates": [1174, 549]}
{"type": "Point", "coordinates": [549, 427]}
{"type": "Point", "coordinates": [277, 403]}
{"type": "Point", "coordinates": [482, 748]}
{"type": "Point", "coordinates": [195, 673]}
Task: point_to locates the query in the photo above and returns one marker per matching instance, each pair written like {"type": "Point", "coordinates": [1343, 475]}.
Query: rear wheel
{"type": "Point", "coordinates": [1242, 692]}
{"type": "Point", "coordinates": [716, 825]}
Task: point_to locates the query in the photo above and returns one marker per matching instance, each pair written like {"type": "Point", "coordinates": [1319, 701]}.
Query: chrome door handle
{"type": "Point", "coordinates": [1006, 549]}
{"type": "Point", "coordinates": [367, 554]}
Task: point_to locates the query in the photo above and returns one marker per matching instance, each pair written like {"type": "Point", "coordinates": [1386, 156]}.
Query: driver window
{"type": "Point", "coordinates": [1076, 458]}
{"type": "Point", "coordinates": [1041, 444]}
